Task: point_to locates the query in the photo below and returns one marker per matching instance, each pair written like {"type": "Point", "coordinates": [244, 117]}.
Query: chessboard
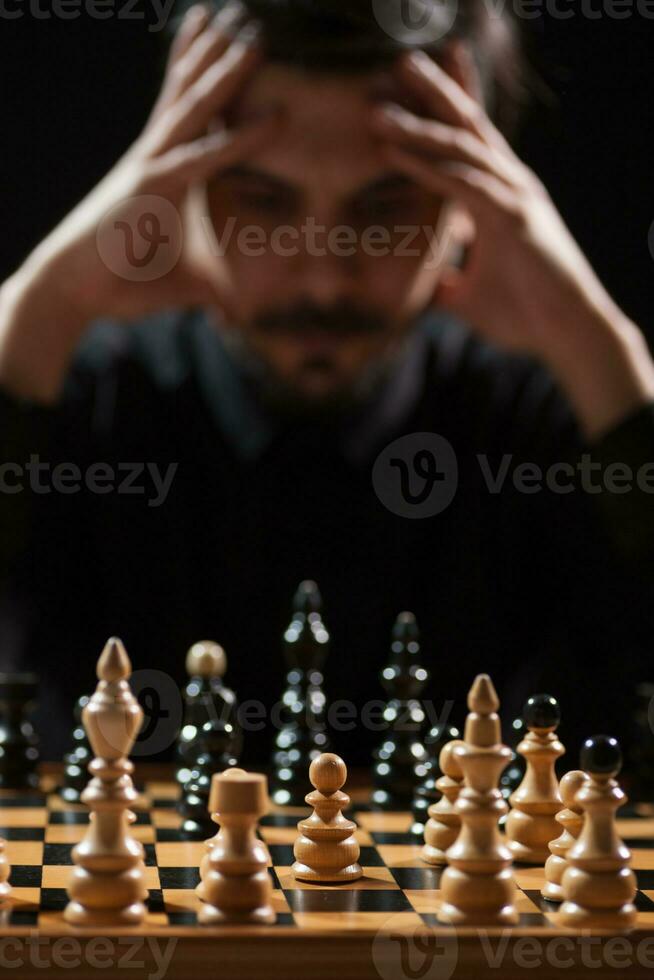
{"type": "Point", "coordinates": [383, 925]}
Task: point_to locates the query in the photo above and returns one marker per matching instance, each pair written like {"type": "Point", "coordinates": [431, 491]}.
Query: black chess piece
{"type": "Point", "coordinates": [206, 698]}
{"type": "Point", "coordinates": [76, 761]}
{"type": "Point", "coordinates": [641, 750]}
{"type": "Point", "coordinates": [303, 732]}
{"type": "Point", "coordinates": [216, 744]}
{"type": "Point", "coordinates": [401, 755]}
{"type": "Point", "coordinates": [601, 755]}
{"type": "Point", "coordinates": [514, 773]}
{"type": "Point", "coordinates": [427, 772]}
{"type": "Point", "coordinates": [541, 711]}
{"type": "Point", "coordinates": [19, 753]}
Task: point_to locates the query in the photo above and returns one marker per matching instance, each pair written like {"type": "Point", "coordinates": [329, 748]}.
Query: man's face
{"type": "Point", "coordinates": [328, 255]}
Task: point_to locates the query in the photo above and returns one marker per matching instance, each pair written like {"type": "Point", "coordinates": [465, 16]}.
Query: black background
{"type": "Point", "coordinates": [75, 93]}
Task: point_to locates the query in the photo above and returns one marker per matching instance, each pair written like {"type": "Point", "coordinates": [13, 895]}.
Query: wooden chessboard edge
{"type": "Point", "coordinates": [467, 935]}
{"type": "Point", "coordinates": [312, 953]}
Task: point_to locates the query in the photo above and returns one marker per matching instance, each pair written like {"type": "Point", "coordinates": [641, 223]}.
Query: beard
{"type": "Point", "coordinates": [342, 319]}
{"type": "Point", "coordinates": [288, 398]}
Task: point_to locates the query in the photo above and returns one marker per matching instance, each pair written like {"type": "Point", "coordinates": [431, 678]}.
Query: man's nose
{"type": "Point", "coordinates": [326, 265]}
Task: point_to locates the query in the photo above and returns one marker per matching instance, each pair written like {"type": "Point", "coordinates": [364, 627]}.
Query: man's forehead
{"type": "Point", "coordinates": [324, 120]}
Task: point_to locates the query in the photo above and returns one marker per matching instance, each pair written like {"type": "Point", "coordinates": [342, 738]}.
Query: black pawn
{"type": "Point", "coordinates": [399, 758]}
{"type": "Point", "coordinates": [206, 698]}
{"type": "Point", "coordinates": [19, 753]}
{"type": "Point", "coordinates": [428, 772]}
{"type": "Point", "coordinates": [76, 761]}
{"type": "Point", "coordinates": [515, 771]}
{"type": "Point", "coordinates": [215, 744]}
{"type": "Point", "coordinates": [303, 733]}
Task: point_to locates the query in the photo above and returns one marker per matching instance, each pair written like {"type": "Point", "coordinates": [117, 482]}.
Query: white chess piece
{"type": "Point", "coordinates": [531, 824]}
{"type": "Point", "coordinates": [236, 887]}
{"type": "Point", "coordinates": [572, 820]}
{"type": "Point", "coordinates": [107, 884]}
{"type": "Point", "coordinates": [327, 849]}
{"type": "Point", "coordinates": [478, 887]}
{"type": "Point", "coordinates": [598, 886]}
{"type": "Point", "coordinates": [444, 824]}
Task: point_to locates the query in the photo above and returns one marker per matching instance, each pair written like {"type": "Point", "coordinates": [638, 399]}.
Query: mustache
{"type": "Point", "coordinates": [341, 319]}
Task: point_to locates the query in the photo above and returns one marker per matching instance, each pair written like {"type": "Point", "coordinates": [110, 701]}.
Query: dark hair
{"type": "Point", "coordinates": [354, 35]}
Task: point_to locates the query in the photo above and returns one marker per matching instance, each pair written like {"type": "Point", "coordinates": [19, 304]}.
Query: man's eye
{"type": "Point", "coordinates": [261, 201]}
{"type": "Point", "coordinates": [384, 208]}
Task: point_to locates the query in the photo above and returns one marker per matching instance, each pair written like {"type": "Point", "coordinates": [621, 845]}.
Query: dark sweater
{"type": "Point", "coordinates": [543, 590]}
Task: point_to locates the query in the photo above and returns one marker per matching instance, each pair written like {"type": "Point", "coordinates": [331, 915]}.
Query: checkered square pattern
{"type": "Point", "coordinates": [41, 831]}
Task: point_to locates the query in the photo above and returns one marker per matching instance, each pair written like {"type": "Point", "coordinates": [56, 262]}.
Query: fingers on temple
{"type": "Point", "coordinates": [479, 190]}
{"type": "Point", "coordinates": [193, 111]}
{"type": "Point", "coordinates": [444, 97]}
{"type": "Point", "coordinates": [214, 152]}
{"type": "Point", "coordinates": [436, 139]}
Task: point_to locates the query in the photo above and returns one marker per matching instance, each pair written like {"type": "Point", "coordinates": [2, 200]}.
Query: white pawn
{"type": "Point", "coordinates": [107, 885]}
{"type": "Point", "coordinates": [572, 820]}
{"type": "Point", "coordinates": [206, 659]}
{"type": "Point", "coordinates": [531, 824]}
{"type": "Point", "coordinates": [598, 885]}
{"type": "Point", "coordinates": [478, 887]}
{"type": "Point", "coordinates": [327, 849]}
{"type": "Point", "coordinates": [5, 871]}
{"type": "Point", "coordinates": [236, 886]}
{"type": "Point", "coordinates": [442, 828]}
{"type": "Point", "coordinates": [212, 841]}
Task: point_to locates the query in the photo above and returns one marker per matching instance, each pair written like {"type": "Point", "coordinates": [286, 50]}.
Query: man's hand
{"type": "Point", "coordinates": [526, 284]}
{"type": "Point", "coordinates": [90, 266]}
